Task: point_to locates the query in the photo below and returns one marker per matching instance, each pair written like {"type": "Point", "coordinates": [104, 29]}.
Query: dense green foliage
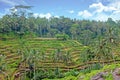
{"type": "Point", "coordinates": [86, 31]}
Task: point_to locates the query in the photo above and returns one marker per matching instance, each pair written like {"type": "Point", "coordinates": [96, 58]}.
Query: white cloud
{"type": "Point", "coordinates": [116, 5]}
{"type": "Point", "coordinates": [36, 14]}
{"type": "Point", "coordinates": [47, 15]}
{"type": "Point", "coordinates": [100, 7]}
{"type": "Point", "coordinates": [115, 15]}
{"type": "Point", "coordinates": [104, 0]}
{"type": "Point", "coordinates": [8, 2]}
{"type": "Point", "coordinates": [84, 14]}
{"type": "Point", "coordinates": [13, 9]}
{"type": "Point", "coordinates": [1, 15]}
{"type": "Point", "coordinates": [101, 17]}
{"type": "Point", "coordinates": [116, 12]}
{"type": "Point", "coordinates": [14, 2]}
{"type": "Point", "coordinates": [103, 12]}
{"type": "Point", "coordinates": [57, 16]}
{"type": "Point", "coordinates": [71, 11]}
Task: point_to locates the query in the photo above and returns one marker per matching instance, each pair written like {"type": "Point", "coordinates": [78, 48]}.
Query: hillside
{"type": "Point", "coordinates": [50, 58]}
{"type": "Point", "coordinates": [47, 48]}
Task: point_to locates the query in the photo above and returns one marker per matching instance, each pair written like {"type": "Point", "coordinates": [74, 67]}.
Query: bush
{"type": "Point", "coordinates": [62, 36]}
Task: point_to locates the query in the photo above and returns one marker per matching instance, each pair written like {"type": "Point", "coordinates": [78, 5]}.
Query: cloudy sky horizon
{"type": "Point", "coordinates": [79, 9]}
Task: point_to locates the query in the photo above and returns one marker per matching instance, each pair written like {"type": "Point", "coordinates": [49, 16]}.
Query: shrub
{"type": "Point", "coordinates": [62, 36]}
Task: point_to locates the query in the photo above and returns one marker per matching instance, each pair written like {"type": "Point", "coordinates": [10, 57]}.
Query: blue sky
{"type": "Point", "coordinates": [80, 9]}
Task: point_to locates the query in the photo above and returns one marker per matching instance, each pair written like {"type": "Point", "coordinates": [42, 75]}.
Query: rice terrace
{"type": "Point", "coordinates": [59, 45]}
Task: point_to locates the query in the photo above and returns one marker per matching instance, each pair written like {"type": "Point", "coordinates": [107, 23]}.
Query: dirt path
{"type": "Point", "coordinates": [99, 76]}
{"type": "Point", "coordinates": [16, 73]}
{"type": "Point", "coordinates": [116, 74]}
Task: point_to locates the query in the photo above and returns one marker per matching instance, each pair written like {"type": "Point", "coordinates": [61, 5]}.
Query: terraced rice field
{"type": "Point", "coordinates": [13, 60]}
{"type": "Point", "coordinates": [48, 51]}
{"type": "Point", "coordinates": [9, 59]}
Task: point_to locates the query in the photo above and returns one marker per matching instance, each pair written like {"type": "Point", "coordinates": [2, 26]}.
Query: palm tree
{"type": "Point", "coordinates": [35, 60]}
{"type": "Point", "coordinates": [32, 60]}
{"type": "Point", "coordinates": [43, 55]}
{"type": "Point", "coordinates": [103, 50]}
{"type": "Point", "coordinates": [111, 40]}
{"type": "Point", "coordinates": [3, 66]}
{"type": "Point", "coordinates": [67, 57]}
{"type": "Point", "coordinates": [58, 54]}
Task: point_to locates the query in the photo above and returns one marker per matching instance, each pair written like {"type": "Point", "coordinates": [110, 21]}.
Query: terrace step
{"type": "Point", "coordinates": [2, 50]}
{"type": "Point", "coordinates": [75, 59]}
{"type": "Point", "coordinates": [10, 56]}
{"type": "Point", "coordinates": [13, 58]}
{"type": "Point", "coordinates": [75, 55]}
{"type": "Point", "coordinates": [52, 64]}
{"type": "Point", "coordinates": [10, 61]}
{"type": "Point", "coordinates": [5, 47]}
{"type": "Point", "coordinates": [75, 52]}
